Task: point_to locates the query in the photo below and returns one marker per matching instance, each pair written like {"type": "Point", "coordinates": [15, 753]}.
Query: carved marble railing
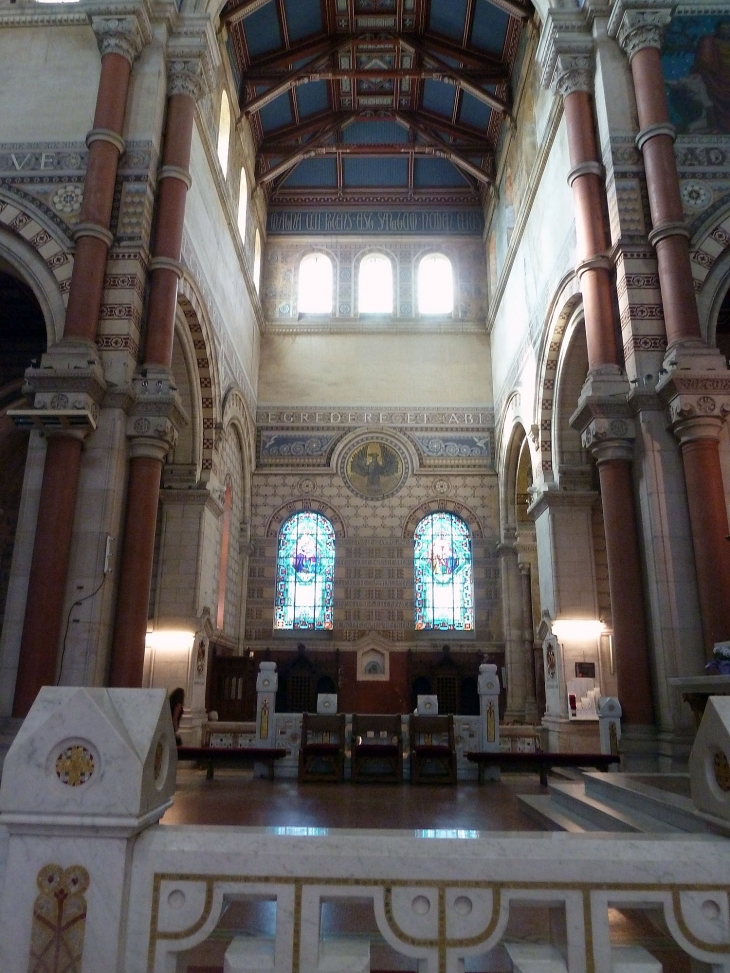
{"type": "Point", "coordinates": [438, 897]}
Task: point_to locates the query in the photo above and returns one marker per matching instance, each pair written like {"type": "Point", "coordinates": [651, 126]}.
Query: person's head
{"type": "Point", "coordinates": [177, 698]}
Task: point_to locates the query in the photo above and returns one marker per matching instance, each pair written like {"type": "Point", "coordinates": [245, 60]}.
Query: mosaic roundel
{"type": "Point", "coordinates": [75, 765]}
{"type": "Point", "coordinates": [374, 469]}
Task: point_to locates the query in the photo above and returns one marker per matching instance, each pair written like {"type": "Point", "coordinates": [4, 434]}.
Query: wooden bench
{"type": "Point", "coordinates": [210, 756]}
{"type": "Point", "coordinates": [543, 763]}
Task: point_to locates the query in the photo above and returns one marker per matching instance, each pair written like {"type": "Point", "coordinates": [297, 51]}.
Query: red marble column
{"type": "Point", "coordinates": [145, 468]}
{"type": "Point", "coordinates": [698, 434]}
{"type": "Point", "coordinates": [614, 466]}
{"type": "Point", "coordinates": [49, 565]}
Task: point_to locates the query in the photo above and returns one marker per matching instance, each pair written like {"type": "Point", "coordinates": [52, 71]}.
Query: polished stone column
{"type": "Point", "coordinates": [70, 373]}
{"type": "Point", "coordinates": [696, 383]}
{"type": "Point", "coordinates": [513, 626]}
{"type": "Point", "coordinates": [157, 413]}
{"type": "Point", "coordinates": [568, 68]}
{"type": "Point", "coordinates": [530, 709]}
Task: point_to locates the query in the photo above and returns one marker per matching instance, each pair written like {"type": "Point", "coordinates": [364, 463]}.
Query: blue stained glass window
{"type": "Point", "coordinates": [305, 573]}
{"type": "Point", "coordinates": [443, 573]}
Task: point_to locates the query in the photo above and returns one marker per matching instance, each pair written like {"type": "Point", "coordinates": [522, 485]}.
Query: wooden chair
{"type": "Point", "coordinates": [377, 749]}
{"type": "Point", "coordinates": [322, 748]}
{"type": "Point", "coordinates": [433, 752]}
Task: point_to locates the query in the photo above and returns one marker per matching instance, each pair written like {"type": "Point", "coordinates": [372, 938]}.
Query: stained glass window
{"type": "Point", "coordinates": [443, 573]}
{"type": "Point", "coordinates": [305, 572]}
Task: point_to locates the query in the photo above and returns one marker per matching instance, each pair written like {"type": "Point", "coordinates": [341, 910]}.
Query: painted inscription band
{"type": "Point", "coordinates": [374, 221]}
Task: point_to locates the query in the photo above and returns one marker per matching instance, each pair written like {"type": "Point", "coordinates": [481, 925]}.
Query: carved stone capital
{"type": "Point", "coordinates": [566, 52]}
{"type": "Point", "coordinates": [695, 387]}
{"type": "Point", "coordinates": [185, 77]}
{"type": "Point", "coordinates": [603, 417]}
{"type": "Point", "coordinates": [124, 34]}
{"type": "Point", "coordinates": [64, 392]}
{"type": "Point", "coordinates": [637, 24]}
{"type": "Point", "coordinates": [157, 414]}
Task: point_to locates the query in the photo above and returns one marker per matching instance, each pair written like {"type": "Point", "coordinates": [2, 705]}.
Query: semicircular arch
{"type": "Point", "coordinates": [297, 505]}
{"type": "Point", "coordinates": [441, 504]}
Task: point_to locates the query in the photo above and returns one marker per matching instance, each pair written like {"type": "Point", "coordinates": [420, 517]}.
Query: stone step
{"type": "Point", "coordinates": [545, 812]}
{"type": "Point", "coordinates": [675, 810]}
{"type": "Point", "coordinates": [602, 815]}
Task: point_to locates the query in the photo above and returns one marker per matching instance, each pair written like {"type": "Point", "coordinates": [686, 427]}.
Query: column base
{"type": "Point", "coordinates": [638, 749]}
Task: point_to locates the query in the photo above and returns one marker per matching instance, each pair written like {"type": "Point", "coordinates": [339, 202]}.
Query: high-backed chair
{"type": "Point", "coordinates": [433, 752]}
{"type": "Point", "coordinates": [377, 749]}
{"type": "Point", "coordinates": [322, 747]}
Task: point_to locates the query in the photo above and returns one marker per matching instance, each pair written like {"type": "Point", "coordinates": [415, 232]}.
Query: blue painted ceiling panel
{"type": "Point", "coordinates": [474, 112]}
{"type": "Point", "coordinates": [314, 173]}
{"type": "Point", "coordinates": [303, 17]}
{"type": "Point", "coordinates": [436, 172]}
{"type": "Point", "coordinates": [276, 113]}
{"type": "Point", "coordinates": [374, 133]}
{"type": "Point", "coordinates": [262, 32]}
{"type": "Point", "coordinates": [447, 18]}
{"type": "Point", "coordinates": [312, 98]}
{"type": "Point", "coordinates": [439, 97]}
{"type": "Point", "coordinates": [490, 27]}
{"type": "Point", "coordinates": [363, 171]}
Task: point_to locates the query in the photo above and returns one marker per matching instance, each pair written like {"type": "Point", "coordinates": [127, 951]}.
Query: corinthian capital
{"type": "Point", "coordinates": [565, 52]}
{"type": "Point", "coordinates": [125, 35]}
{"type": "Point", "coordinates": [185, 77]}
{"type": "Point", "coordinates": [637, 24]}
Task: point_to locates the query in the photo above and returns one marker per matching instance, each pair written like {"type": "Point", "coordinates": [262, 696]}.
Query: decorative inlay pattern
{"type": "Point", "coordinates": [59, 920]}
{"type": "Point", "coordinates": [75, 765]}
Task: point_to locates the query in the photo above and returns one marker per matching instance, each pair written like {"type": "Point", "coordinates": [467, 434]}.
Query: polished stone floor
{"type": "Point", "coordinates": [235, 797]}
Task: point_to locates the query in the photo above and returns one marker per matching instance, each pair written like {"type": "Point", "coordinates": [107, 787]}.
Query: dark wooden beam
{"type": "Point", "coordinates": [446, 152]}
{"type": "Point", "coordinates": [241, 11]}
{"type": "Point", "coordinates": [281, 60]}
{"type": "Point", "coordinates": [454, 76]}
{"type": "Point", "coordinates": [335, 74]}
{"type": "Point", "coordinates": [311, 148]}
{"type": "Point", "coordinates": [467, 56]}
{"type": "Point", "coordinates": [521, 10]}
{"type": "Point", "coordinates": [290, 133]}
{"type": "Point", "coordinates": [310, 72]}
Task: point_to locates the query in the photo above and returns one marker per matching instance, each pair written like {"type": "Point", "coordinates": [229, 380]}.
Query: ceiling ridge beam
{"type": "Point", "coordinates": [520, 10]}
{"type": "Point", "coordinates": [305, 74]}
{"type": "Point", "coordinates": [242, 10]}
{"type": "Point", "coordinates": [312, 148]}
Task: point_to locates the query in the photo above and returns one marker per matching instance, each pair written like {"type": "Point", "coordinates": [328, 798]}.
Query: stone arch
{"type": "Point", "coordinates": [449, 506]}
{"type": "Point", "coordinates": [569, 454]}
{"type": "Point", "coordinates": [236, 414]}
{"type": "Point", "coordinates": [201, 332]}
{"type": "Point", "coordinates": [514, 445]}
{"type": "Point", "coordinates": [707, 245]}
{"type": "Point", "coordinates": [367, 251]}
{"type": "Point", "coordinates": [453, 256]}
{"type": "Point", "coordinates": [296, 506]}
{"type": "Point", "coordinates": [188, 448]}
{"type": "Point", "coordinates": [562, 308]}
{"type": "Point", "coordinates": [41, 257]}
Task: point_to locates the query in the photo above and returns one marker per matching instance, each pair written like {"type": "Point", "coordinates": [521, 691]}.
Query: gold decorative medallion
{"type": "Point", "coordinates": [722, 770]}
{"type": "Point", "coordinates": [59, 920]}
{"type": "Point", "coordinates": [374, 469]}
{"type": "Point", "coordinates": [75, 765]}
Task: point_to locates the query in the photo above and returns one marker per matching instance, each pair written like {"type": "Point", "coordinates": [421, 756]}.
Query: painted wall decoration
{"type": "Point", "coordinates": [455, 446]}
{"type": "Point", "coordinates": [696, 66]}
{"type": "Point", "coordinates": [59, 920]}
{"type": "Point", "coordinates": [294, 447]}
{"type": "Point", "coordinates": [442, 567]}
{"type": "Point", "coordinates": [374, 469]}
{"type": "Point", "coordinates": [305, 573]}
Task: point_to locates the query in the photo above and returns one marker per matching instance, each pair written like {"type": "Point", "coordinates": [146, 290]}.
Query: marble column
{"type": "Point", "coordinates": [696, 383]}
{"type": "Point", "coordinates": [70, 378]}
{"type": "Point", "coordinates": [568, 68]}
{"type": "Point", "coordinates": [530, 706]}
{"type": "Point", "coordinates": [157, 414]}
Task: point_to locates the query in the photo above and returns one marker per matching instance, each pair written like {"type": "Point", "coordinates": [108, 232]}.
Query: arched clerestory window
{"type": "Point", "coordinates": [435, 285]}
{"type": "Point", "coordinates": [315, 284]}
{"type": "Point", "coordinates": [224, 133]}
{"type": "Point", "coordinates": [257, 260]}
{"type": "Point", "coordinates": [242, 205]}
{"type": "Point", "coordinates": [442, 567]}
{"type": "Point", "coordinates": [375, 285]}
{"type": "Point", "coordinates": [305, 573]}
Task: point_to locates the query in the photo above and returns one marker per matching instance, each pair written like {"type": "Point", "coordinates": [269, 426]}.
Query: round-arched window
{"type": "Point", "coordinates": [442, 568]}
{"type": "Point", "coordinates": [257, 260]}
{"type": "Point", "coordinates": [315, 284]}
{"type": "Point", "coordinates": [435, 285]}
{"type": "Point", "coordinates": [375, 285]}
{"type": "Point", "coordinates": [224, 133]}
{"type": "Point", "coordinates": [305, 573]}
{"type": "Point", "coordinates": [242, 204]}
